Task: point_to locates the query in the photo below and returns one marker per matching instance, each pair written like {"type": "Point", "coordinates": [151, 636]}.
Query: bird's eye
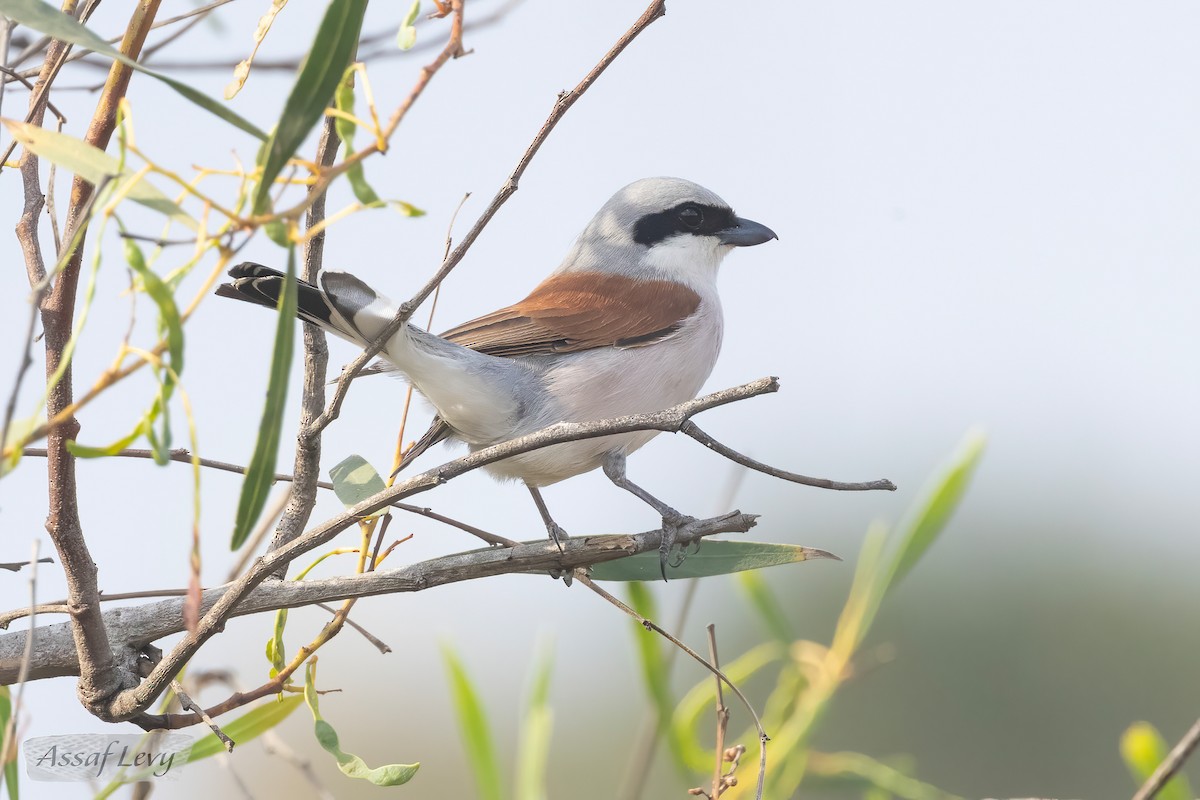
{"type": "Point", "coordinates": [691, 217]}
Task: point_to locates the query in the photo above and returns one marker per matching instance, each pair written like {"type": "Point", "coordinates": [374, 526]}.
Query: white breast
{"type": "Point", "coordinates": [609, 382]}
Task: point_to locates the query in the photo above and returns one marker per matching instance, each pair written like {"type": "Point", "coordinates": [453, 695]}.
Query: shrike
{"type": "Point", "coordinates": [629, 323]}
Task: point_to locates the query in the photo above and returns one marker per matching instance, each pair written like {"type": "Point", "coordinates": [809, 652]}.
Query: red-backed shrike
{"type": "Point", "coordinates": [630, 323]}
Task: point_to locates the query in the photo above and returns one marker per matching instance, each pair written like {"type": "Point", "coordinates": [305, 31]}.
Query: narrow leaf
{"type": "Point", "coordinates": [248, 726]}
{"type": "Point", "coordinates": [923, 527]}
{"type": "Point", "coordinates": [715, 557]}
{"type": "Point", "coordinates": [354, 480]}
{"type": "Point", "coordinates": [533, 752]}
{"type": "Point", "coordinates": [472, 720]}
{"type": "Point", "coordinates": [93, 165]}
{"type": "Point", "coordinates": [331, 52]}
{"type": "Point", "coordinates": [47, 19]}
{"type": "Point", "coordinates": [351, 765]}
{"type": "Point", "coordinates": [1143, 749]}
{"type": "Point", "coordinates": [260, 474]}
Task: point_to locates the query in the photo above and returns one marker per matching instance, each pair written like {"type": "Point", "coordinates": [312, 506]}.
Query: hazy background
{"type": "Point", "coordinates": [987, 215]}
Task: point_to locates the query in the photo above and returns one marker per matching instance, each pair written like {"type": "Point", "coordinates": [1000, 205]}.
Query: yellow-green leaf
{"type": "Point", "coordinates": [94, 165]}
{"type": "Point", "coordinates": [351, 765]}
{"type": "Point", "coordinates": [47, 19]}
{"type": "Point", "coordinates": [713, 558]}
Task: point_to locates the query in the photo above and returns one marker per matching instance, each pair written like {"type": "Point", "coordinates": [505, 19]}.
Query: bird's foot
{"type": "Point", "coordinates": [671, 526]}
{"type": "Point", "coordinates": [558, 536]}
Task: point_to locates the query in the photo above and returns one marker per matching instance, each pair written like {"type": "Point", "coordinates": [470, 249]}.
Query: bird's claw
{"type": "Point", "coordinates": [557, 535]}
{"type": "Point", "coordinates": [670, 533]}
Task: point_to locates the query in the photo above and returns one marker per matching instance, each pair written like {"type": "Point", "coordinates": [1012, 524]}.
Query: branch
{"type": "Point", "coordinates": [691, 429]}
{"type": "Point", "coordinates": [1171, 764]}
{"type": "Point", "coordinates": [138, 626]}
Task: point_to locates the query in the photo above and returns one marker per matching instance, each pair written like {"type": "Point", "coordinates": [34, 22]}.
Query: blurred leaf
{"type": "Point", "coordinates": [767, 605]}
{"type": "Point", "coordinates": [344, 101]}
{"type": "Point", "coordinates": [354, 480]}
{"type": "Point", "coordinates": [1143, 749]}
{"type": "Point", "coordinates": [351, 765]}
{"type": "Point", "coordinates": [47, 19]}
{"type": "Point", "coordinates": [695, 710]}
{"type": "Point", "coordinates": [250, 725]}
{"type": "Point", "coordinates": [11, 774]}
{"type": "Point", "coordinates": [331, 52]}
{"type": "Point", "coordinates": [533, 752]}
{"type": "Point", "coordinates": [715, 557]}
{"type": "Point", "coordinates": [923, 526]}
{"type": "Point", "coordinates": [656, 674]}
{"type": "Point", "coordinates": [93, 165]}
{"type": "Point", "coordinates": [472, 720]}
{"type": "Point", "coordinates": [406, 37]}
{"type": "Point", "coordinates": [260, 473]}
{"type": "Point", "coordinates": [866, 774]}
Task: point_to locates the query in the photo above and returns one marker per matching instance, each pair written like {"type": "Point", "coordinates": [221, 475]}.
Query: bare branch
{"type": "Point", "coordinates": [691, 429]}
{"type": "Point", "coordinates": [135, 627]}
{"type": "Point", "coordinates": [1171, 764]}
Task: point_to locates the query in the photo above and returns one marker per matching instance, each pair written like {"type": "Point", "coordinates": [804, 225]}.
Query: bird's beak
{"type": "Point", "coordinates": [745, 232]}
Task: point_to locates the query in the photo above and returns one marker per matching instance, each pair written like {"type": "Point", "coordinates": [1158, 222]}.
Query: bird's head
{"type": "Point", "coordinates": [664, 228]}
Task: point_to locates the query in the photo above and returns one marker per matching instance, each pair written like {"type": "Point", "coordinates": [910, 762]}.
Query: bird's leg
{"type": "Point", "coordinates": [557, 534]}
{"type": "Point", "coordinates": [614, 468]}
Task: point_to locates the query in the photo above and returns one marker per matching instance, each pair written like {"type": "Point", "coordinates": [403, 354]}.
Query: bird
{"type": "Point", "coordinates": [629, 323]}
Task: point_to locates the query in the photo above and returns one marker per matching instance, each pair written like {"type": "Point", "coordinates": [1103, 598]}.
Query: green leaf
{"type": "Point", "coordinates": [94, 165]}
{"type": "Point", "coordinates": [472, 720]}
{"type": "Point", "coordinates": [344, 101]}
{"type": "Point", "coordinates": [10, 773]}
{"type": "Point", "coordinates": [1143, 749]}
{"type": "Point", "coordinates": [715, 557]}
{"type": "Point", "coordinates": [533, 751]}
{"type": "Point", "coordinates": [351, 765]}
{"type": "Point", "coordinates": [47, 19]}
{"type": "Point", "coordinates": [406, 37]}
{"type": "Point", "coordinates": [250, 725]}
{"type": "Point", "coordinates": [260, 474]}
{"type": "Point", "coordinates": [322, 70]}
{"type": "Point", "coordinates": [354, 480]}
{"type": "Point", "coordinates": [923, 526]}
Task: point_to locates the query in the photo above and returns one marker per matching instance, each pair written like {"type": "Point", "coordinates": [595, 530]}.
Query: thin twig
{"type": "Point", "coordinates": [190, 705]}
{"type": "Point", "coordinates": [718, 784]}
{"type": "Point", "coordinates": [378, 643]}
{"type": "Point", "coordinates": [182, 455]}
{"type": "Point", "coordinates": [650, 625]}
{"type": "Point", "coordinates": [692, 430]}
{"type": "Point", "coordinates": [1171, 764]}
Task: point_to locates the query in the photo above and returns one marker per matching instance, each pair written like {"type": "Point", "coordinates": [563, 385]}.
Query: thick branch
{"type": "Point", "coordinates": [139, 626]}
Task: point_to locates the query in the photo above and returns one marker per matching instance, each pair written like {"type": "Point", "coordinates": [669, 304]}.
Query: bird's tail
{"type": "Point", "coordinates": [478, 395]}
{"type": "Point", "coordinates": [346, 307]}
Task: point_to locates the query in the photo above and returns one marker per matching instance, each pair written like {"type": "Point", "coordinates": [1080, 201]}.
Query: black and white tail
{"type": "Point", "coordinates": [345, 307]}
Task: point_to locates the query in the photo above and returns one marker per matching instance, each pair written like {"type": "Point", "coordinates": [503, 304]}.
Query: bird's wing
{"type": "Point", "coordinates": [576, 311]}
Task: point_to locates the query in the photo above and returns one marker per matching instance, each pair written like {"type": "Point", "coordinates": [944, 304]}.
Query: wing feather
{"type": "Point", "coordinates": [576, 311]}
